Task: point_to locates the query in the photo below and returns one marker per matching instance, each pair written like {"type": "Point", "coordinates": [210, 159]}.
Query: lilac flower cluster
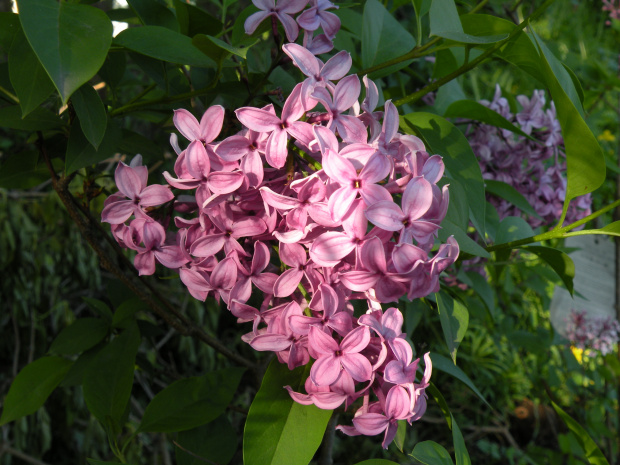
{"type": "Point", "coordinates": [536, 167]}
{"type": "Point", "coordinates": [299, 190]}
{"type": "Point", "coordinates": [613, 8]}
{"type": "Point", "coordinates": [597, 333]}
{"type": "Point", "coordinates": [310, 21]}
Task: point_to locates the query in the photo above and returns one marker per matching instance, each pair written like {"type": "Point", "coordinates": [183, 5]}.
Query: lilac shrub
{"type": "Point", "coordinates": [534, 167]}
{"type": "Point", "coordinates": [592, 332]}
{"type": "Point", "coordinates": [314, 209]}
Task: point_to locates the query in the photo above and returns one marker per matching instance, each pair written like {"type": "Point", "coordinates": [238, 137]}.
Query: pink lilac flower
{"type": "Point", "coordinates": [281, 11]}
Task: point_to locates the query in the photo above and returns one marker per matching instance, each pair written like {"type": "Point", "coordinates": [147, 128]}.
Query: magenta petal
{"type": "Point", "coordinates": [171, 256]}
{"type": "Point", "coordinates": [328, 400]}
{"type": "Point", "coordinates": [185, 184]}
{"type": "Point", "coordinates": [397, 403]}
{"type": "Point", "coordinates": [357, 365]}
{"type": "Point", "coordinates": [303, 399]}
{"type": "Point", "coordinates": [252, 167]}
{"type": "Point", "coordinates": [406, 256]}
{"type": "Point", "coordinates": [374, 193]}
{"type": "Point", "coordinates": [211, 123]}
{"type": "Point", "coordinates": [276, 151]}
{"type": "Point", "coordinates": [187, 124]}
{"type": "Point", "coordinates": [370, 424]}
{"type": "Point", "coordinates": [376, 169]}
{"type": "Point", "coordinates": [309, 20]}
{"type": "Point", "coordinates": [197, 160]}
{"type": "Point", "coordinates": [145, 263]}
{"type": "Point", "coordinates": [326, 138]}
{"type": "Point", "coordinates": [394, 373]}
{"type": "Point", "coordinates": [290, 26]}
{"type": "Point", "coordinates": [340, 169]}
{"type": "Point", "coordinates": [293, 254]}
{"type": "Point", "coordinates": [221, 182]}
{"type": "Point", "coordinates": [386, 215]}
{"type": "Point", "coordinates": [265, 282]}
{"type": "Point", "coordinates": [260, 259]}
{"type": "Point", "coordinates": [301, 131]}
{"type": "Point", "coordinates": [347, 92]}
{"type": "Point", "coordinates": [291, 6]}
{"type": "Point", "coordinates": [302, 58]}
{"type": "Point", "coordinates": [233, 148]}
{"type": "Point", "coordinates": [433, 169]}
{"type": "Point", "coordinates": [356, 340]}
{"type": "Point", "coordinates": [337, 66]}
{"type": "Point", "coordinates": [330, 248]}
{"type": "Point", "coordinates": [208, 246]}
{"type": "Point", "coordinates": [281, 202]}
{"type": "Point", "coordinates": [258, 120]}
{"type": "Point", "coordinates": [373, 255]}
{"type": "Point", "coordinates": [293, 108]}
{"type": "Point", "coordinates": [224, 274]}
{"type": "Point", "coordinates": [118, 212]}
{"type": "Point", "coordinates": [331, 24]}
{"type": "Point", "coordinates": [390, 121]}
{"type": "Point", "coordinates": [358, 281]}
{"type": "Point", "coordinates": [321, 342]}
{"type": "Point", "coordinates": [272, 342]}
{"type": "Point", "coordinates": [128, 181]}
{"type": "Point", "coordinates": [155, 194]}
{"type": "Point", "coordinates": [288, 281]}
{"type": "Point", "coordinates": [252, 22]}
{"type": "Point", "coordinates": [248, 227]}
{"type": "Point", "coordinates": [325, 370]}
{"type": "Point", "coordinates": [417, 198]}
{"type": "Point", "coordinates": [351, 129]}
{"type": "Point", "coordinates": [393, 320]}
{"type": "Point", "coordinates": [340, 202]}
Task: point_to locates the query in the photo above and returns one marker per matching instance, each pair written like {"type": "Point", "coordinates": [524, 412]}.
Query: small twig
{"type": "Point", "coordinates": [20, 455]}
{"type": "Point", "coordinates": [193, 454]}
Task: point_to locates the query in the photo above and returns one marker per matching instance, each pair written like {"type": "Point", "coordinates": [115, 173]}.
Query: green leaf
{"type": "Point", "coordinates": [154, 13]}
{"type": "Point", "coordinates": [444, 364]}
{"type": "Point", "coordinates": [70, 40]}
{"type": "Point", "coordinates": [513, 228]}
{"type": "Point", "coordinates": [215, 442]}
{"type": "Point", "coordinates": [279, 431]}
{"type": "Point", "coordinates": [560, 262]}
{"type": "Point", "coordinates": [239, 51]}
{"type": "Point", "coordinates": [191, 402]}
{"type": "Point", "coordinates": [443, 138]}
{"type": "Point", "coordinates": [32, 386]}
{"type": "Point", "coordinates": [22, 171]}
{"type": "Point", "coordinates": [109, 377]}
{"type": "Point", "coordinates": [40, 119]}
{"type": "Point", "coordinates": [383, 38]}
{"type": "Point", "coordinates": [376, 462]}
{"type": "Point", "coordinates": [466, 243]}
{"type": "Point", "coordinates": [30, 81]}
{"type": "Point", "coordinates": [123, 316]}
{"type": "Point", "coordinates": [584, 157]}
{"type": "Point", "coordinates": [163, 44]}
{"type": "Point", "coordinates": [454, 319]}
{"type": "Point", "coordinates": [80, 336]}
{"type": "Point", "coordinates": [445, 22]}
{"type": "Point", "coordinates": [441, 401]}
{"type": "Point", "coordinates": [91, 114]}
{"type": "Point", "coordinates": [431, 453]}
{"type": "Point", "coordinates": [81, 153]}
{"type": "Point", "coordinates": [507, 192]}
{"type": "Point", "coordinates": [193, 20]}
{"type": "Point", "coordinates": [99, 307]}
{"type": "Point", "coordinates": [592, 451]}
{"type": "Point", "coordinates": [476, 111]}
{"type": "Point", "coordinates": [612, 229]}
{"type": "Point", "coordinates": [460, 450]}
{"type": "Point", "coordinates": [9, 26]}
{"type": "Point", "coordinates": [401, 435]}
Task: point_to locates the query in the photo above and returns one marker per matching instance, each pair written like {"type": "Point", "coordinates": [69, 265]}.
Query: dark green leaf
{"type": "Point", "coordinates": [401, 435]}
{"type": "Point", "coordinates": [113, 69]}
{"type": "Point", "coordinates": [445, 22]}
{"type": "Point", "coordinates": [443, 138]}
{"type": "Point", "coordinates": [101, 308]}
{"type": "Point", "coordinates": [454, 319]}
{"type": "Point", "coordinates": [81, 153]}
{"type": "Point", "coordinates": [279, 431]}
{"type": "Point", "coordinates": [30, 81]}
{"type": "Point", "coordinates": [80, 336]}
{"type": "Point", "coordinates": [383, 38]}
{"type": "Point", "coordinates": [507, 192]}
{"type": "Point", "coordinates": [458, 210]}
{"type": "Point", "coordinates": [109, 377]}
{"type": "Point", "coordinates": [422, 7]}
{"type": "Point", "coordinates": [32, 386]}
{"type": "Point", "coordinates": [483, 289]}
{"type": "Point", "coordinates": [70, 40]}
{"type": "Point", "coordinates": [154, 13]}
{"type": "Point", "coordinates": [561, 263]}
{"type": "Point", "coordinates": [215, 442]}
{"type": "Point", "coordinates": [91, 114]}
{"type": "Point", "coordinates": [441, 401]}
{"type": "Point", "coordinates": [476, 111]}
{"type": "Point", "coordinates": [466, 243]}
{"type": "Point", "coordinates": [431, 453]}
{"type": "Point", "coordinates": [75, 375]}
{"type": "Point", "coordinates": [22, 171]}
{"type": "Point", "coordinates": [485, 25]}
{"type": "Point", "coordinates": [191, 402]}
{"type": "Point", "coordinates": [460, 450]}
{"type": "Point", "coordinates": [376, 462]}
{"type": "Point", "coordinates": [239, 51]}
{"type": "Point", "coordinates": [593, 453]}
{"type": "Point", "coordinates": [584, 157]}
{"type": "Point", "coordinates": [40, 119]}
{"type": "Point", "coordinates": [163, 44]}
{"type": "Point", "coordinates": [513, 228]}
{"type": "Point", "coordinates": [193, 20]}
{"type": "Point", "coordinates": [123, 316]}
{"type": "Point", "coordinates": [9, 25]}
{"type": "Point", "coordinates": [444, 364]}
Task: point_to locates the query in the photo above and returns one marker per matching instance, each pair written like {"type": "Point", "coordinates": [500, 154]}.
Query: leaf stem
{"type": "Point", "coordinates": [472, 64]}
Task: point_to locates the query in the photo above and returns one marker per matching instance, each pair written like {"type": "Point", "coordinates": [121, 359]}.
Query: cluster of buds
{"type": "Point", "coordinates": [534, 167]}
{"type": "Point", "coordinates": [591, 332]}
{"type": "Point", "coordinates": [284, 207]}
{"type": "Point", "coordinates": [309, 20]}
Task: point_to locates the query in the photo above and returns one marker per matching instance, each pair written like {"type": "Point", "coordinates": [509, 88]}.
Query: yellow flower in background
{"type": "Point", "coordinates": [607, 136]}
{"type": "Point", "coordinates": [578, 353]}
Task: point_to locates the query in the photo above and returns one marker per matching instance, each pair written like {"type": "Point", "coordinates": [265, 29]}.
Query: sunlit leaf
{"type": "Point", "coordinates": [454, 319]}
{"type": "Point", "coordinates": [560, 262]}
{"type": "Point", "coordinates": [444, 364]}
{"type": "Point", "coordinates": [431, 453]}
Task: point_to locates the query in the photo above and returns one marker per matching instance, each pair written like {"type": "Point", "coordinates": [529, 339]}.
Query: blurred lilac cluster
{"type": "Point", "coordinates": [281, 211]}
{"type": "Point", "coordinates": [534, 167]}
{"type": "Point", "coordinates": [613, 8]}
{"type": "Point", "coordinates": [590, 332]}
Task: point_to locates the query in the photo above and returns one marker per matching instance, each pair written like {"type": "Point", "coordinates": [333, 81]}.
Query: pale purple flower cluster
{"type": "Point", "coordinates": [613, 8]}
{"type": "Point", "coordinates": [315, 17]}
{"type": "Point", "coordinates": [536, 168]}
{"type": "Point", "coordinates": [264, 215]}
{"type": "Point", "coordinates": [597, 333]}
